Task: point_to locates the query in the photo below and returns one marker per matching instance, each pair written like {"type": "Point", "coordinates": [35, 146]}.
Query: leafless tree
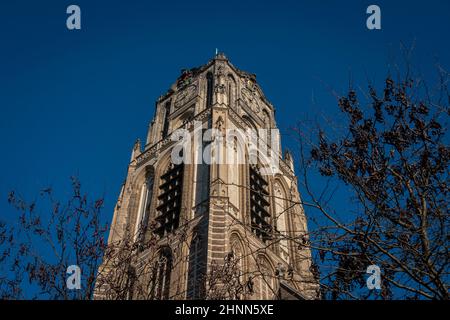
{"type": "Point", "coordinates": [45, 238]}
{"type": "Point", "coordinates": [391, 155]}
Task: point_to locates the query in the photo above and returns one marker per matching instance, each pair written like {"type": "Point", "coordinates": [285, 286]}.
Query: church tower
{"type": "Point", "coordinates": [226, 222]}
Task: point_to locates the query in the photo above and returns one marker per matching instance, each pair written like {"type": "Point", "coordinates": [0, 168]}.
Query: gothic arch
{"type": "Point", "coordinates": [236, 144]}
{"type": "Point", "coordinates": [200, 179]}
{"type": "Point", "coordinates": [264, 284]}
{"type": "Point", "coordinates": [236, 238]}
{"type": "Point", "coordinates": [236, 160]}
{"type": "Point", "coordinates": [161, 275]}
{"type": "Point", "coordinates": [238, 249]}
{"type": "Point", "coordinates": [238, 262]}
{"type": "Point", "coordinates": [281, 180]}
{"type": "Point", "coordinates": [140, 201]}
{"type": "Point", "coordinates": [267, 119]}
{"type": "Point", "coordinates": [165, 159]}
{"type": "Point", "coordinates": [250, 122]}
{"type": "Point", "coordinates": [145, 203]}
{"type": "Point", "coordinates": [196, 266]}
{"type": "Point", "coordinates": [252, 153]}
{"type": "Point", "coordinates": [185, 117]}
{"type": "Point", "coordinates": [281, 217]}
{"type": "Point", "coordinates": [283, 186]}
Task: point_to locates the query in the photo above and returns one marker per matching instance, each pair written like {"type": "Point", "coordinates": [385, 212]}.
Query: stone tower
{"type": "Point", "coordinates": [211, 228]}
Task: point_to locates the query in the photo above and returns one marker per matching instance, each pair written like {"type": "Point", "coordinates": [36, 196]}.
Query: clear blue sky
{"type": "Point", "coordinates": [74, 102]}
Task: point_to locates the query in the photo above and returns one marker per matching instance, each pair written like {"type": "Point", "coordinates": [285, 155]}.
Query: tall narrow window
{"type": "Point", "coordinates": [197, 268]}
{"type": "Point", "coordinates": [259, 206]}
{"type": "Point", "coordinates": [267, 126]}
{"type": "Point", "coordinates": [130, 283]}
{"type": "Point", "coordinates": [201, 182]}
{"type": "Point", "coordinates": [138, 225]}
{"type": "Point", "coordinates": [160, 282]}
{"type": "Point", "coordinates": [148, 199]}
{"type": "Point", "coordinates": [144, 206]}
{"type": "Point", "coordinates": [252, 132]}
{"type": "Point", "coordinates": [165, 130]}
{"type": "Point", "coordinates": [264, 280]}
{"type": "Point", "coordinates": [209, 89]}
{"type": "Point", "coordinates": [281, 219]}
{"type": "Point", "coordinates": [237, 251]}
{"type": "Point", "coordinates": [169, 208]}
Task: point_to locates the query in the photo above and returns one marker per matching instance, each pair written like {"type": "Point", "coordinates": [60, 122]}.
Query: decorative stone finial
{"type": "Point", "coordinates": [220, 56]}
{"type": "Point", "coordinates": [136, 150]}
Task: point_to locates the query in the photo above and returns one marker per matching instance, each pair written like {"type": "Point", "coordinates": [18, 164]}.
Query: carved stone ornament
{"type": "Point", "coordinates": [220, 88]}
{"type": "Point", "coordinates": [219, 123]}
{"type": "Point", "coordinates": [249, 84]}
{"type": "Point", "coordinates": [185, 96]}
{"type": "Point", "coordinates": [251, 99]}
{"type": "Point", "coordinates": [277, 189]}
{"type": "Point", "coordinates": [220, 70]}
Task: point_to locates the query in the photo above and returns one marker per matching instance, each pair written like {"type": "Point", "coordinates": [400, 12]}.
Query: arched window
{"type": "Point", "coordinates": [160, 282]}
{"type": "Point", "coordinates": [144, 205]}
{"type": "Point", "coordinates": [281, 219]}
{"type": "Point", "coordinates": [252, 135]}
{"type": "Point", "coordinates": [236, 161]}
{"type": "Point", "coordinates": [201, 179]}
{"type": "Point", "coordinates": [250, 123]}
{"type": "Point", "coordinates": [237, 251]}
{"type": "Point", "coordinates": [265, 281]}
{"type": "Point", "coordinates": [197, 268]}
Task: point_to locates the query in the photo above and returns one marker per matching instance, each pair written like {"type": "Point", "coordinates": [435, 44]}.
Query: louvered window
{"type": "Point", "coordinates": [259, 206]}
{"type": "Point", "coordinates": [169, 200]}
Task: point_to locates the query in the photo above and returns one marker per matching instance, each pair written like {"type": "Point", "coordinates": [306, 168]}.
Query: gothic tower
{"type": "Point", "coordinates": [209, 228]}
